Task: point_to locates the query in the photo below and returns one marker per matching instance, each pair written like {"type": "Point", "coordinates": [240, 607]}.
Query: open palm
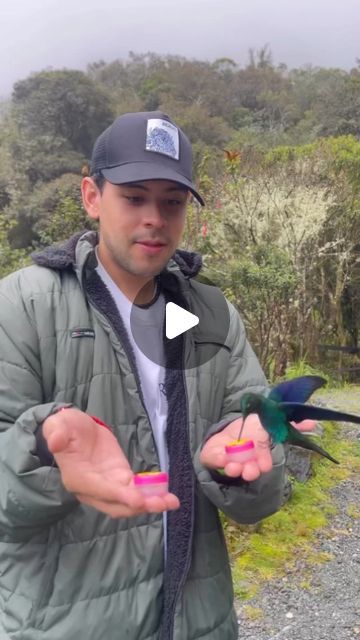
{"type": "Point", "coordinates": [213, 453]}
{"type": "Point", "coordinates": [94, 468]}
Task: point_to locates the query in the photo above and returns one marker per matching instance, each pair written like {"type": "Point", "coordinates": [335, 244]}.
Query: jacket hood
{"type": "Point", "coordinates": [63, 256]}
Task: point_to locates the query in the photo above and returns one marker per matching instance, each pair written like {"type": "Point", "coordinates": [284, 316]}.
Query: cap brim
{"type": "Point", "coordinates": [140, 171]}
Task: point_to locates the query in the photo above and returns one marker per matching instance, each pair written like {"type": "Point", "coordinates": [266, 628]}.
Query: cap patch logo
{"type": "Point", "coordinates": [162, 137]}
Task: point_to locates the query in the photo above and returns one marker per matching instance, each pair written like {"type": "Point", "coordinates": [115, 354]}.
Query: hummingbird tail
{"type": "Point", "coordinates": [298, 440]}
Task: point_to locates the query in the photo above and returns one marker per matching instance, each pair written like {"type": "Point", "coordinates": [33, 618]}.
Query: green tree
{"type": "Point", "coordinates": [263, 284]}
{"type": "Point", "coordinates": [10, 259]}
{"type": "Point", "coordinates": [68, 218]}
{"type": "Point", "coordinates": [64, 105]}
{"type": "Point", "coordinates": [55, 116]}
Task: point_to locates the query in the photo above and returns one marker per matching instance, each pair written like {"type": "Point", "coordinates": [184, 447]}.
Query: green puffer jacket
{"type": "Point", "coordinates": [67, 571]}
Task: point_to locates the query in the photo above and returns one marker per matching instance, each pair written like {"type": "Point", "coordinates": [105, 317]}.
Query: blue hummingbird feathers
{"type": "Point", "coordinates": [285, 404]}
{"type": "Point", "coordinates": [296, 390]}
{"type": "Point", "coordinates": [296, 412]}
{"type": "Point", "coordinates": [292, 394]}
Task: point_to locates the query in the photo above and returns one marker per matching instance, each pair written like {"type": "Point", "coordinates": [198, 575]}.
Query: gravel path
{"type": "Point", "coordinates": [329, 609]}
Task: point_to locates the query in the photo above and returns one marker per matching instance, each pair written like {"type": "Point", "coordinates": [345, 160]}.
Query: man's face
{"type": "Point", "coordinates": [140, 223]}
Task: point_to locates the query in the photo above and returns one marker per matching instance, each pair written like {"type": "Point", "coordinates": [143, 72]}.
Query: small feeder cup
{"type": "Point", "coordinates": [152, 483]}
{"type": "Point", "coordinates": [240, 451]}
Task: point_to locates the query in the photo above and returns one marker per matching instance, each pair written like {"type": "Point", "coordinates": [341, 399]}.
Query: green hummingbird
{"type": "Point", "coordinates": [285, 404]}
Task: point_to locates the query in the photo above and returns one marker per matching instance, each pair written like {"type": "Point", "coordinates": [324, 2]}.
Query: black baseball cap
{"type": "Point", "coordinates": [144, 146]}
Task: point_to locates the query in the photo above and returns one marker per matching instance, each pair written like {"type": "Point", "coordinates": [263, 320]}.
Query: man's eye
{"type": "Point", "coordinates": [174, 203]}
{"type": "Point", "coordinates": [135, 199]}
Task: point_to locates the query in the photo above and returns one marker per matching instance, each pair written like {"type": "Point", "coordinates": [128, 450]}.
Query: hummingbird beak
{"type": "Point", "coordinates": [242, 426]}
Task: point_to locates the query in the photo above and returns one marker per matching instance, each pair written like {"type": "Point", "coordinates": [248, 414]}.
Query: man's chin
{"type": "Point", "coordinates": [150, 271]}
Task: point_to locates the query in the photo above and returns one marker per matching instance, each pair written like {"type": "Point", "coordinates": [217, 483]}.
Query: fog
{"type": "Point", "coordinates": [38, 34]}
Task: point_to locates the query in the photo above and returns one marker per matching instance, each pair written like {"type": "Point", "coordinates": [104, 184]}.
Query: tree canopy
{"type": "Point", "coordinates": [277, 157]}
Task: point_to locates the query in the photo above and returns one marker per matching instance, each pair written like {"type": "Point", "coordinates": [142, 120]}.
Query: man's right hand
{"type": "Point", "coordinates": [94, 468]}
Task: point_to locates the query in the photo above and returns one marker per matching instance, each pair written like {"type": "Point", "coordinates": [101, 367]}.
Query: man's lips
{"type": "Point", "coordinates": [151, 243]}
{"type": "Point", "coordinates": [151, 246]}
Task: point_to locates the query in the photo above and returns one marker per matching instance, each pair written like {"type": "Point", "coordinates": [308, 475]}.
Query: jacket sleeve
{"type": "Point", "coordinates": [31, 494]}
{"type": "Point", "coordinates": [244, 502]}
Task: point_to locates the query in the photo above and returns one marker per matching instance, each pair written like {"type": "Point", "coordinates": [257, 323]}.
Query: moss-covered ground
{"type": "Point", "coordinates": [286, 540]}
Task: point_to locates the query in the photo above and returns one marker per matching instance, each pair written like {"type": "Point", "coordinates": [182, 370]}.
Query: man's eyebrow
{"type": "Point", "coordinates": [180, 187]}
{"type": "Point", "coordinates": [133, 185]}
{"type": "Point", "coordinates": [137, 185]}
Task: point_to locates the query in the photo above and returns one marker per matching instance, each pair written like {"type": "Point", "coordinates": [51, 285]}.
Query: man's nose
{"type": "Point", "coordinates": [153, 215]}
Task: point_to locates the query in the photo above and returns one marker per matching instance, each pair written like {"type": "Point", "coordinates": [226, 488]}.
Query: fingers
{"type": "Point", "coordinates": [214, 457]}
{"type": "Point", "coordinates": [305, 425]}
{"type": "Point", "coordinates": [251, 470]}
{"type": "Point", "coordinates": [112, 509]}
{"type": "Point", "coordinates": [134, 506]}
{"type": "Point", "coordinates": [263, 454]}
{"type": "Point", "coordinates": [114, 486]}
{"type": "Point", "coordinates": [213, 454]}
{"type": "Point", "coordinates": [248, 471]}
{"type": "Point", "coordinates": [116, 495]}
{"type": "Point", "coordinates": [168, 502]}
{"type": "Point", "coordinates": [95, 469]}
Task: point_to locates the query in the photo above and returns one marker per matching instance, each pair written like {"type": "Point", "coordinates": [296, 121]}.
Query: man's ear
{"type": "Point", "coordinates": [91, 197]}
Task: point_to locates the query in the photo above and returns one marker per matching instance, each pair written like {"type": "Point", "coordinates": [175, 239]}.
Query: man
{"type": "Point", "coordinates": [83, 555]}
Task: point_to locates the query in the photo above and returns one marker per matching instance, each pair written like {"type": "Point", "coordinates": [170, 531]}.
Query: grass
{"type": "Point", "coordinates": [286, 540]}
{"type": "Point", "coordinates": [253, 613]}
{"type": "Point", "coordinates": [353, 511]}
{"type": "Point", "coordinates": [303, 368]}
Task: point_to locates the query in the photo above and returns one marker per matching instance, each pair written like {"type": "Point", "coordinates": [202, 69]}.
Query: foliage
{"type": "Point", "coordinates": [47, 208]}
{"type": "Point", "coordinates": [287, 540]}
{"type": "Point", "coordinates": [288, 222]}
{"type": "Point", "coordinates": [57, 116]}
{"type": "Point", "coordinates": [303, 368]}
{"type": "Point", "coordinates": [10, 259]}
{"type": "Point", "coordinates": [65, 105]}
{"type": "Point", "coordinates": [68, 218]}
{"type": "Point", "coordinates": [276, 155]}
{"type": "Point", "coordinates": [263, 284]}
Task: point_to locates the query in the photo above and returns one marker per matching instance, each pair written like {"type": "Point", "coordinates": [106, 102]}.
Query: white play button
{"type": "Point", "coordinates": [209, 333]}
{"type": "Point", "coordinates": [178, 320]}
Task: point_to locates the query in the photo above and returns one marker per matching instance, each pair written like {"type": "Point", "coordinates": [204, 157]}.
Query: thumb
{"type": "Point", "coordinates": [60, 428]}
{"type": "Point", "coordinates": [57, 435]}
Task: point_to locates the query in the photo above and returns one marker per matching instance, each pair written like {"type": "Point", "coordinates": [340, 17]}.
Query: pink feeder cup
{"type": "Point", "coordinates": [240, 451]}
{"type": "Point", "coordinates": [152, 483]}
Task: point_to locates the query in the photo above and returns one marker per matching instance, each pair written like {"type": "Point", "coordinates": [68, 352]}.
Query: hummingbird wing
{"type": "Point", "coordinates": [296, 390]}
{"type": "Point", "coordinates": [296, 412]}
{"type": "Point", "coordinates": [298, 439]}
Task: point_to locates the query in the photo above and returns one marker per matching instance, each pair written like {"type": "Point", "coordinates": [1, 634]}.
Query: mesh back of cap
{"type": "Point", "coordinates": [99, 156]}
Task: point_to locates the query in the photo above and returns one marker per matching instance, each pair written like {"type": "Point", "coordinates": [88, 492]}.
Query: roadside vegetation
{"type": "Point", "coordinates": [285, 544]}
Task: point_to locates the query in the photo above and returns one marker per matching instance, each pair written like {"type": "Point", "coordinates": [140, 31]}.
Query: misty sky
{"type": "Point", "coordinates": [38, 34]}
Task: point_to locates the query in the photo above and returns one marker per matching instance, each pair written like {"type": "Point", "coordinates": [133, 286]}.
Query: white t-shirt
{"type": "Point", "coordinates": [152, 375]}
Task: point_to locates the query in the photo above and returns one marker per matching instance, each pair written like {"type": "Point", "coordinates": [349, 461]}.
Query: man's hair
{"type": "Point", "coordinates": [99, 180]}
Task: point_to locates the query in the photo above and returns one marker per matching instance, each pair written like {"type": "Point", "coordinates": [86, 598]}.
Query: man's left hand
{"type": "Point", "coordinates": [213, 453]}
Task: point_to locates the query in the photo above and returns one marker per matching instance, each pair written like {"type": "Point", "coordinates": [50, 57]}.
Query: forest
{"type": "Point", "coordinates": [277, 158]}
